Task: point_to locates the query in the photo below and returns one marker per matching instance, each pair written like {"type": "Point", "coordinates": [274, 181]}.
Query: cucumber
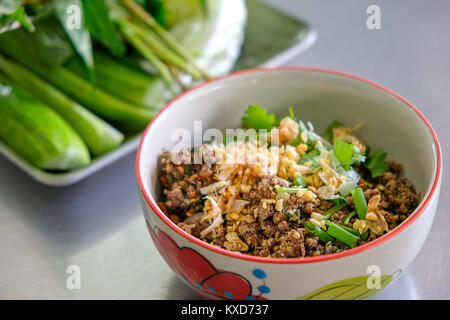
{"type": "Point", "coordinates": [99, 135]}
{"type": "Point", "coordinates": [39, 134]}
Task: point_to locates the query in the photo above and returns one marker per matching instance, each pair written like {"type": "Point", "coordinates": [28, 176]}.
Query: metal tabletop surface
{"type": "Point", "coordinates": [97, 224]}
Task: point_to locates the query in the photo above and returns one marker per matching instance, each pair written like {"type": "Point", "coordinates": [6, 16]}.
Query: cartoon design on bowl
{"type": "Point", "coordinates": [202, 276]}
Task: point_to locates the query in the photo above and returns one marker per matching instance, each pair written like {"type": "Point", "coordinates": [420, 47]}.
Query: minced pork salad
{"type": "Point", "coordinates": [307, 195]}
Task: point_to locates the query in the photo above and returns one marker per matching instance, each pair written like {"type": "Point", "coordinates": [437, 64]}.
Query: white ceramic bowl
{"type": "Point", "coordinates": [320, 96]}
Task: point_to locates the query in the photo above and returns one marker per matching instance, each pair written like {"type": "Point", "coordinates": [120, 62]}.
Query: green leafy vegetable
{"type": "Point", "coordinates": [328, 134]}
{"type": "Point", "coordinates": [344, 153]}
{"type": "Point", "coordinates": [70, 15]}
{"type": "Point", "coordinates": [47, 46]}
{"type": "Point", "coordinates": [157, 9]}
{"type": "Point", "coordinates": [100, 26]}
{"type": "Point", "coordinates": [376, 163]}
{"type": "Point", "coordinates": [8, 15]}
{"type": "Point", "coordinates": [257, 118]}
{"type": "Point", "coordinates": [313, 157]}
{"type": "Point", "coordinates": [360, 202]}
{"type": "Point", "coordinates": [291, 113]}
{"type": "Point", "coordinates": [357, 157]}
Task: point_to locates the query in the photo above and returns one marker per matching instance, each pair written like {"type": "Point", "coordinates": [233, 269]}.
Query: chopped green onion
{"type": "Point", "coordinates": [359, 202]}
{"type": "Point", "coordinates": [341, 234]}
{"type": "Point", "coordinates": [300, 182]}
{"type": "Point", "coordinates": [340, 203]}
{"type": "Point", "coordinates": [280, 191]}
{"type": "Point", "coordinates": [315, 230]}
{"type": "Point", "coordinates": [350, 216]}
{"type": "Point", "coordinates": [363, 235]}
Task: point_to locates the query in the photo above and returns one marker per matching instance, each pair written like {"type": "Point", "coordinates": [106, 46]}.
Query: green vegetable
{"type": "Point", "coordinates": [96, 133]}
{"type": "Point", "coordinates": [12, 11]}
{"type": "Point", "coordinates": [69, 13]}
{"type": "Point", "coordinates": [129, 117]}
{"type": "Point", "coordinates": [257, 118]}
{"type": "Point", "coordinates": [328, 134]}
{"type": "Point", "coordinates": [363, 236]}
{"type": "Point", "coordinates": [300, 182]}
{"type": "Point", "coordinates": [39, 134]}
{"type": "Point", "coordinates": [341, 234]}
{"type": "Point", "coordinates": [163, 52]}
{"type": "Point", "coordinates": [315, 230]}
{"type": "Point", "coordinates": [156, 9]}
{"type": "Point", "coordinates": [376, 163]}
{"type": "Point", "coordinates": [360, 202]}
{"type": "Point", "coordinates": [47, 46]}
{"type": "Point", "coordinates": [349, 217]}
{"type": "Point", "coordinates": [291, 113]}
{"type": "Point", "coordinates": [344, 153]}
{"type": "Point", "coordinates": [313, 157]}
{"type": "Point", "coordinates": [142, 16]}
{"type": "Point", "coordinates": [134, 86]}
{"type": "Point", "coordinates": [169, 12]}
{"type": "Point", "coordinates": [280, 191]}
{"type": "Point", "coordinates": [100, 26]}
{"type": "Point", "coordinates": [340, 203]}
{"type": "Point", "coordinates": [357, 157]}
{"type": "Point", "coordinates": [132, 37]}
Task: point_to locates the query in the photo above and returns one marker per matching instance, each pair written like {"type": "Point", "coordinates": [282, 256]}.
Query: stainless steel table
{"type": "Point", "coordinates": [97, 224]}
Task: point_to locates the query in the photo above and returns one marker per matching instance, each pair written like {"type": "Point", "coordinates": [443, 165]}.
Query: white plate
{"type": "Point", "coordinates": [304, 39]}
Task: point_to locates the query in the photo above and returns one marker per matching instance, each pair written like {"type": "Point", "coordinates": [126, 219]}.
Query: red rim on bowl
{"type": "Point", "coordinates": [413, 217]}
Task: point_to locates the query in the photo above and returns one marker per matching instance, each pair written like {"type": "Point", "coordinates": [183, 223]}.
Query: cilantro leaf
{"type": "Point", "coordinates": [344, 153]}
{"type": "Point", "coordinates": [257, 118]}
{"type": "Point", "coordinates": [328, 134]}
{"type": "Point", "coordinates": [376, 163]}
{"type": "Point", "coordinates": [291, 113]}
